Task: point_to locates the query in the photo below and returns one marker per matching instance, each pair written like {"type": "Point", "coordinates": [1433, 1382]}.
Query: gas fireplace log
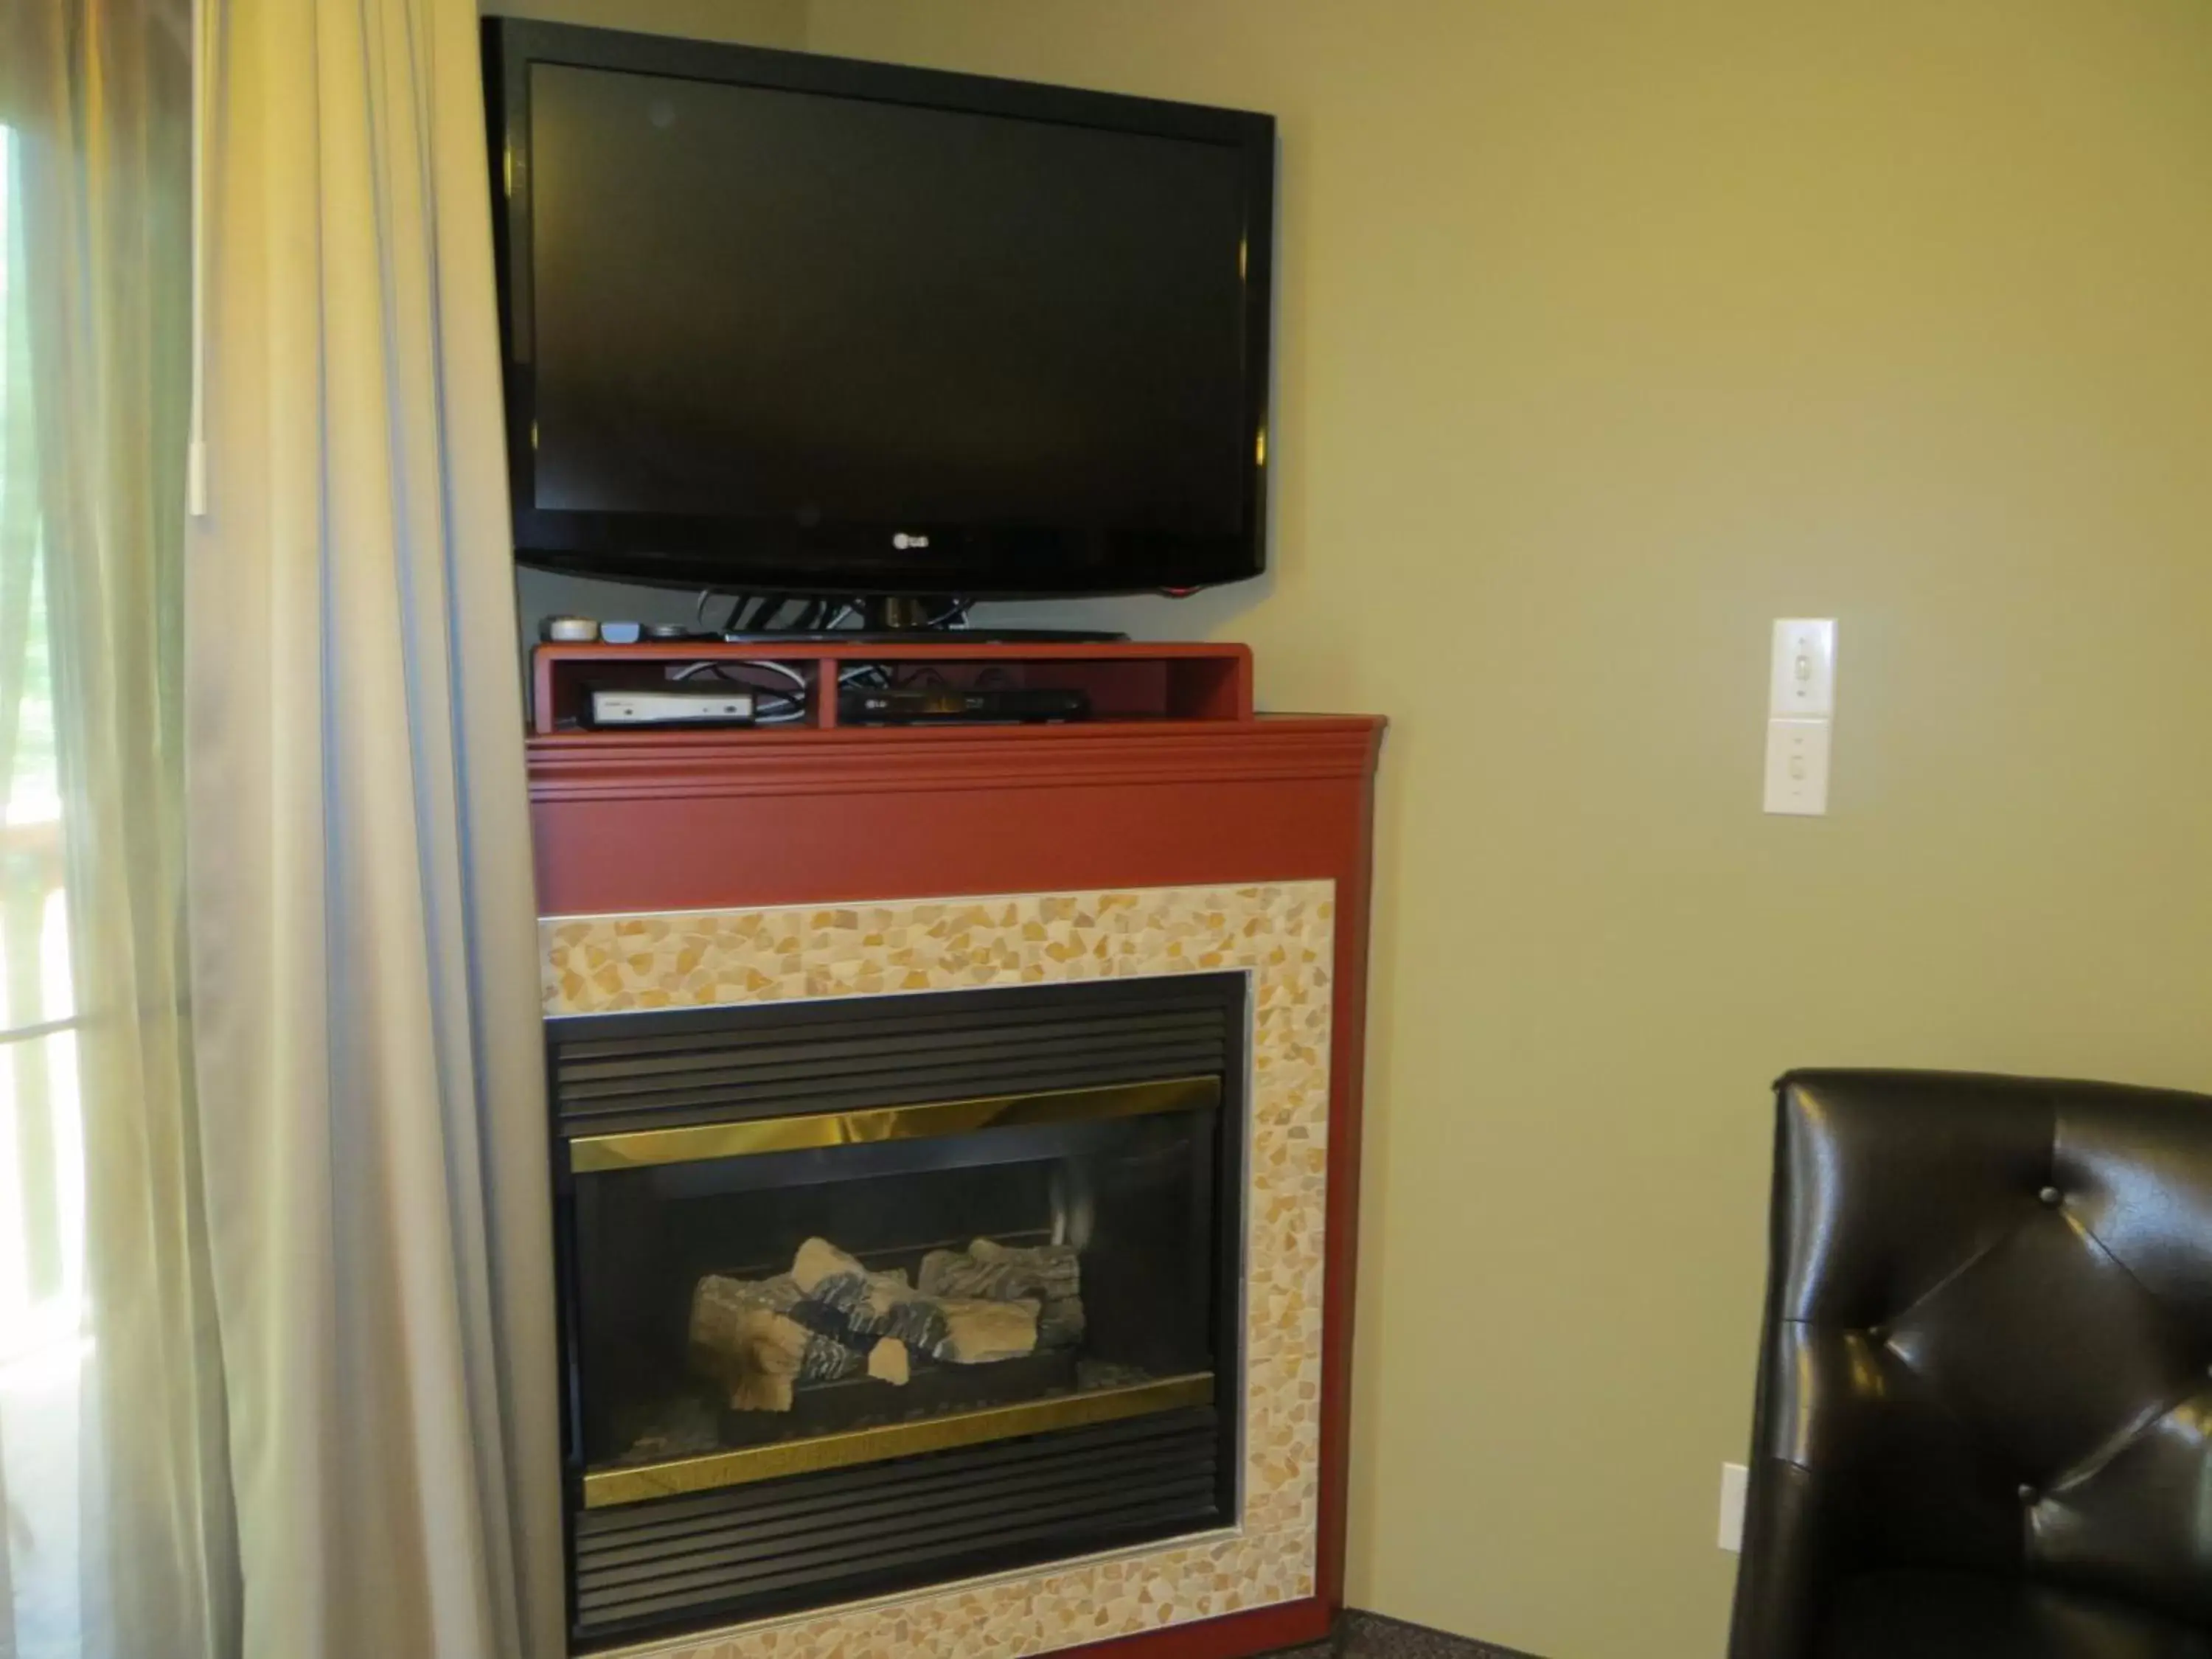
{"type": "Point", "coordinates": [825, 1273]}
{"type": "Point", "coordinates": [1060, 1323]}
{"type": "Point", "coordinates": [823, 1358]}
{"type": "Point", "coordinates": [879, 1305]}
{"type": "Point", "coordinates": [727, 1310]}
{"type": "Point", "coordinates": [1000, 1273]}
{"type": "Point", "coordinates": [871, 1304]}
{"type": "Point", "coordinates": [830, 1317]}
{"type": "Point", "coordinates": [825, 1320]}
{"type": "Point", "coordinates": [958, 1331]}
{"type": "Point", "coordinates": [743, 1336]}
{"type": "Point", "coordinates": [818, 1259]}
{"type": "Point", "coordinates": [976, 1332]}
{"type": "Point", "coordinates": [734, 1339]}
{"type": "Point", "coordinates": [888, 1361]}
{"type": "Point", "coordinates": [1051, 1275]}
{"type": "Point", "coordinates": [777, 1355]}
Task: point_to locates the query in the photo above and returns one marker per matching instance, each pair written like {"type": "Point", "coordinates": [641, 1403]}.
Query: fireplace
{"type": "Point", "coordinates": [865, 1294]}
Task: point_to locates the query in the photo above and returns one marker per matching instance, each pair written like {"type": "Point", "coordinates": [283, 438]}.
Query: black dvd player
{"type": "Point", "coordinates": [938, 705]}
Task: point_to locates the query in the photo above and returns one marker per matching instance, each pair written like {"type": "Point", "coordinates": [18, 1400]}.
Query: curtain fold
{"type": "Point", "coordinates": [364, 941]}
{"type": "Point", "coordinates": [119, 1530]}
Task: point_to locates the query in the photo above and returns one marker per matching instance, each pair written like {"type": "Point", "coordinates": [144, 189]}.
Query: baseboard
{"type": "Point", "coordinates": [1371, 1636]}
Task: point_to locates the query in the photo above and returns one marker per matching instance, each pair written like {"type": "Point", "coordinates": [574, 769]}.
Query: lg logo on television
{"type": "Point", "coordinates": [903, 541]}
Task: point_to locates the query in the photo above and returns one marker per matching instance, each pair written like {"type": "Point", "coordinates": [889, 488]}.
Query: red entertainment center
{"type": "Point", "coordinates": [1175, 783]}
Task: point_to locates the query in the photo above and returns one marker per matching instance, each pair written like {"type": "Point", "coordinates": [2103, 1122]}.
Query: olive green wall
{"type": "Point", "coordinates": [1610, 330]}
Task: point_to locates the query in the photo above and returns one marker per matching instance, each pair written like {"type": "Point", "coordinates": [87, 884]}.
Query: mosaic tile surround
{"type": "Point", "coordinates": [1283, 934]}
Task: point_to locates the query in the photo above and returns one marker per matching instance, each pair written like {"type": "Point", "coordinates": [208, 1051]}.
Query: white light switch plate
{"type": "Point", "coordinates": [1804, 673]}
{"type": "Point", "coordinates": [1735, 1485]}
{"type": "Point", "coordinates": [1797, 768]}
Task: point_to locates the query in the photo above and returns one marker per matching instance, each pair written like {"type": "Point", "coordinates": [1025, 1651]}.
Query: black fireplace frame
{"type": "Point", "coordinates": [676, 1068]}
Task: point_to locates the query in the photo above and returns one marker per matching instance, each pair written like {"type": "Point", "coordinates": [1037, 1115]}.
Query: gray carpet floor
{"type": "Point", "coordinates": [1369, 1635]}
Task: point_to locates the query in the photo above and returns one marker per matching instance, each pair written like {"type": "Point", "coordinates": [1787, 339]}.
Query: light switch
{"type": "Point", "coordinates": [1797, 766]}
{"type": "Point", "coordinates": [1804, 680]}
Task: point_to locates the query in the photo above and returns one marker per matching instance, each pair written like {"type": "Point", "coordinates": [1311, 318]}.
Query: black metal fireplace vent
{"type": "Point", "coordinates": [813, 1539]}
{"type": "Point", "coordinates": [870, 1294]}
{"type": "Point", "coordinates": [626, 1071]}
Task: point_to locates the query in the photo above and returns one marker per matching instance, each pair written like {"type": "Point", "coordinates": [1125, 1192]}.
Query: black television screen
{"type": "Point", "coordinates": [780, 323]}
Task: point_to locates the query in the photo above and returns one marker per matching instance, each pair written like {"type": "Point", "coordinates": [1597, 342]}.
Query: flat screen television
{"type": "Point", "coordinates": [777, 323]}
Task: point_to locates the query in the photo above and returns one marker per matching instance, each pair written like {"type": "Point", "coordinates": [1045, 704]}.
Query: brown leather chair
{"type": "Point", "coordinates": [1984, 1418]}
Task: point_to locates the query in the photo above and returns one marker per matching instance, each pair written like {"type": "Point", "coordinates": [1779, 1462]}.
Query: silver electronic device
{"type": "Point", "coordinates": [622, 706]}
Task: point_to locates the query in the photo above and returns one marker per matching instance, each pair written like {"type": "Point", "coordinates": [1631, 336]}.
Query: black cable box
{"type": "Point", "coordinates": [924, 705]}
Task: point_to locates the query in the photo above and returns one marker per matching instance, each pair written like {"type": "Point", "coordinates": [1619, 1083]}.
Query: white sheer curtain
{"type": "Point", "coordinates": [364, 945]}
{"type": "Point", "coordinates": [118, 1536]}
{"type": "Point", "coordinates": [316, 1283]}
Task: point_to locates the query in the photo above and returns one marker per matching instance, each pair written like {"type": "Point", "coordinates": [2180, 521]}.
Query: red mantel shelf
{"type": "Point", "coordinates": [820, 815]}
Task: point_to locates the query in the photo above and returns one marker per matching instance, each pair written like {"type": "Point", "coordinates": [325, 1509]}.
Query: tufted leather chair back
{"type": "Point", "coordinates": [1988, 1345]}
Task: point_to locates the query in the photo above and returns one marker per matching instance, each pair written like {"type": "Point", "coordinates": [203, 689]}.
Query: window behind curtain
{"type": "Point", "coordinates": [43, 1333]}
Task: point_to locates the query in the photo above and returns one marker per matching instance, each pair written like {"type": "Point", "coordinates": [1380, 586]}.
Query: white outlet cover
{"type": "Point", "coordinates": [1735, 1485]}
{"type": "Point", "coordinates": [1804, 681]}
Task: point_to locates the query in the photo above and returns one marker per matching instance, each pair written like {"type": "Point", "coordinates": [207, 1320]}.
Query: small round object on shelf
{"type": "Point", "coordinates": [569, 630]}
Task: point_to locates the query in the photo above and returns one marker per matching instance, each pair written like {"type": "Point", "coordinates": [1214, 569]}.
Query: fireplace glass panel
{"type": "Point", "coordinates": [770, 1296]}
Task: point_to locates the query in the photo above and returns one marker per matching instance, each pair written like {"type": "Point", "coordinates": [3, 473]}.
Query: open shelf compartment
{"type": "Point", "coordinates": [1126, 681]}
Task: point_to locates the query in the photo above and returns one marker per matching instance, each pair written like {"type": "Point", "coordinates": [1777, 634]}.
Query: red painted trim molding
{"type": "Point", "coordinates": [633, 823]}
{"type": "Point", "coordinates": [583, 766]}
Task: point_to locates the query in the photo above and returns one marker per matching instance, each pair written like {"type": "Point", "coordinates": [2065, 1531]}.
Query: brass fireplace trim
{"type": "Point", "coordinates": [636, 1483]}
{"type": "Point", "coordinates": [597, 1154]}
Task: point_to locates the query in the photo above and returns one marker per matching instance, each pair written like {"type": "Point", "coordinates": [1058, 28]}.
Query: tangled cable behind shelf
{"type": "Point", "coordinates": [766, 614]}
{"type": "Point", "coordinates": [770, 708]}
{"type": "Point", "coordinates": [760, 614]}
